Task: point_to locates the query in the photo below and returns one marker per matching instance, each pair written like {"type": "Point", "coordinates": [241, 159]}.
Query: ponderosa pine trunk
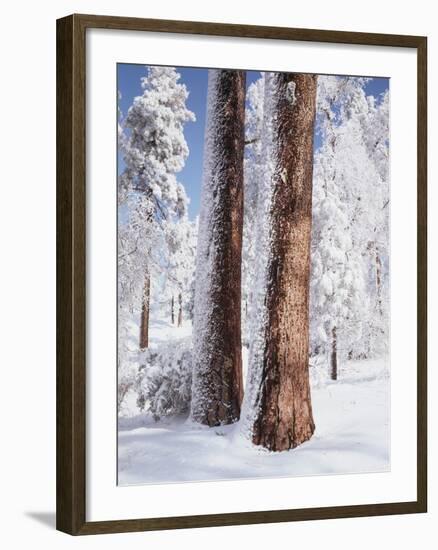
{"type": "Point", "coordinates": [172, 310]}
{"type": "Point", "coordinates": [283, 413]}
{"type": "Point", "coordinates": [144, 321]}
{"type": "Point", "coordinates": [334, 356]}
{"type": "Point", "coordinates": [217, 370]}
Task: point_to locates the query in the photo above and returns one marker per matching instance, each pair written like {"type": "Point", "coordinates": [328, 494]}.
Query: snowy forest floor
{"type": "Point", "coordinates": [352, 435]}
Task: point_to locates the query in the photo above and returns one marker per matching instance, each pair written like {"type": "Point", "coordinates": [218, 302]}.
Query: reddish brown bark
{"type": "Point", "coordinates": [144, 321]}
{"type": "Point", "coordinates": [284, 418]}
{"type": "Point", "coordinates": [218, 386]}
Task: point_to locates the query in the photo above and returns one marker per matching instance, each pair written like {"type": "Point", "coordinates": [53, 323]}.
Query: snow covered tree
{"type": "Point", "coordinates": [253, 175]}
{"type": "Point", "coordinates": [338, 297]}
{"type": "Point", "coordinates": [347, 213]}
{"type": "Point", "coordinates": [370, 118]}
{"type": "Point", "coordinates": [154, 151]}
{"type": "Point", "coordinates": [179, 266]}
{"type": "Point", "coordinates": [133, 264]}
{"type": "Point", "coordinates": [164, 380]}
{"type": "Point", "coordinates": [217, 358]}
{"type": "Point", "coordinates": [277, 407]}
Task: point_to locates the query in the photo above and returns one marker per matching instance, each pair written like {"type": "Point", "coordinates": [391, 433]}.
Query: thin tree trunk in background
{"type": "Point", "coordinates": [284, 417]}
{"type": "Point", "coordinates": [144, 322]}
{"type": "Point", "coordinates": [374, 250]}
{"type": "Point", "coordinates": [379, 280]}
{"type": "Point", "coordinates": [179, 309]}
{"type": "Point", "coordinates": [172, 311]}
{"type": "Point", "coordinates": [334, 356]}
{"type": "Point", "coordinates": [217, 388]}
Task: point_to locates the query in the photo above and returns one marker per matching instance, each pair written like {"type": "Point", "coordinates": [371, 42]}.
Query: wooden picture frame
{"type": "Point", "coordinates": [71, 273]}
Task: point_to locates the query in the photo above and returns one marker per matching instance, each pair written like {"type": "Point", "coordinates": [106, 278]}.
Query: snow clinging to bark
{"type": "Point", "coordinates": [254, 170]}
{"type": "Point", "coordinates": [290, 92]}
{"type": "Point", "coordinates": [259, 313]}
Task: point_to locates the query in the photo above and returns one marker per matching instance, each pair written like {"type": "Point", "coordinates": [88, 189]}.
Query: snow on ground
{"type": "Point", "coordinates": [161, 332]}
{"type": "Point", "coordinates": [352, 436]}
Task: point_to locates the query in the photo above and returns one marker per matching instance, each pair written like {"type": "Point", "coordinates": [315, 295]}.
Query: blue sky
{"type": "Point", "coordinates": [129, 85]}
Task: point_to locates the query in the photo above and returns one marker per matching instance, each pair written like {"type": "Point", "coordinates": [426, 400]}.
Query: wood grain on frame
{"type": "Point", "coordinates": [71, 269]}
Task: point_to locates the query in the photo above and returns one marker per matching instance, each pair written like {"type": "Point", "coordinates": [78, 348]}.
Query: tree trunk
{"type": "Point", "coordinates": [334, 356]}
{"type": "Point", "coordinates": [144, 322]}
{"type": "Point", "coordinates": [283, 417]}
{"type": "Point", "coordinates": [374, 249]}
{"type": "Point", "coordinates": [179, 309]}
{"type": "Point", "coordinates": [217, 371]}
{"type": "Point", "coordinates": [172, 311]}
{"type": "Point", "coordinates": [379, 280]}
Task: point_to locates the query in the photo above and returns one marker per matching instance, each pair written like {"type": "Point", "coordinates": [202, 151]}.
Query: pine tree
{"type": "Point", "coordinates": [179, 265]}
{"type": "Point", "coordinates": [277, 408]}
{"type": "Point", "coordinates": [369, 117]}
{"type": "Point", "coordinates": [217, 369]}
{"type": "Point", "coordinates": [154, 151]}
{"type": "Point", "coordinates": [254, 169]}
{"type": "Point", "coordinates": [338, 292]}
{"type": "Point", "coordinates": [347, 217]}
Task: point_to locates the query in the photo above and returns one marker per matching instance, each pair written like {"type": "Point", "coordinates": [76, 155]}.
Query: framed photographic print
{"type": "Point", "coordinates": [241, 287]}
